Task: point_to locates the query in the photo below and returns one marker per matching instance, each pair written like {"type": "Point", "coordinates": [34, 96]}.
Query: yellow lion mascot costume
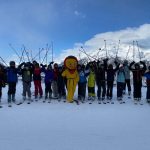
{"type": "Point", "coordinates": [71, 74]}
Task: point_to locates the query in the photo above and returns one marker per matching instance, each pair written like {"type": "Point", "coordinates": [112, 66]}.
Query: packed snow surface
{"type": "Point", "coordinates": [64, 126]}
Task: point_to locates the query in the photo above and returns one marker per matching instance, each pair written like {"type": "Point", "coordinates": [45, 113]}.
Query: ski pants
{"type": "Point", "coordinates": [27, 89]}
{"type": "Point", "coordinates": [61, 89]}
{"type": "Point", "coordinates": [91, 91]}
{"type": "Point", "coordinates": [11, 88]}
{"type": "Point", "coordinates": [120, 87]}
{"type": "Point", "coordinates": [137, 89]}
{"type": "Point", "coordinates": [71, 87]}
{"type": "Point", "coordinates": [38, 88]}
{"type": "Point", "coordinates": [48, 88]}
{"type": "Point", "coordinates": [0, 92]}
{"type": "Point", "coordinates": [110, 88]}
{"type": "Point", "coordinates": [101, 87]}
{"type": "Point", "coordinates": [55, 88]}
{"type": "Point", "coordinates": [148, 92]}
{"type": "Point", "coordinates": [81, 90]}
{"type": "Point", "coordinates": [127, 83]}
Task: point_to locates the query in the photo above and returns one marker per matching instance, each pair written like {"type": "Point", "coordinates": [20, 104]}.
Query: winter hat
{"type": "Point", "coordinates": [83, 66]}
{"type": "Point", "coordinates": [37, 65]}
{"type": "Point", "coordinates": [55, 65]}
{"type": "Point", "coordinates": [12, 63]}
{"type": "Point", "coordinates": [49, 66]}
{"type": "Point", "coordinates": [110, 66]}
{"type": "Point", "coordinates": [125, 62]}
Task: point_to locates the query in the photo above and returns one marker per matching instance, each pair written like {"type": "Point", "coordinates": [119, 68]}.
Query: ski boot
{"type": "Point", "coordinates": [13, 98]}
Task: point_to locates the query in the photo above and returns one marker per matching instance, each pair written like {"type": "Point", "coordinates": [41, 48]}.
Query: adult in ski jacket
{"type": "Point", "coordinates": [100, 72]}
{"type": "Point", "coordinates": [147, 76]}
{"type": "Point", "coordinates": [49, 77]}
{"type": "Point", "coordinates": [37, 80]}
{"type": "Point", "coordinates": [127, 77]}
{"type": "Point", "coordinates": [2, 79]}
{"type": "Point", "coordinates": [111, 72]}
{"type": "Point", "coordinates": [55, 81]}
{"type": "Point", "coordinates": [138, 72]}
{"type": "Point", "coordinates": [120, 82]}
{"type": "Point", "coordinates": [26, 71]}
{"type": "Point", "coordinates": [91, 81]}
{"type": "Point", "coordinates": [61, 83]}
{"type": "Point", "coordinates": [83, 73]}
{"type": "Point", "coordinates": [12, 80]}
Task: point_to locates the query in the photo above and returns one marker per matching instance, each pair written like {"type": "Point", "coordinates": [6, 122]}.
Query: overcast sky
{"type": "Point", "coordinates": [69, 23]}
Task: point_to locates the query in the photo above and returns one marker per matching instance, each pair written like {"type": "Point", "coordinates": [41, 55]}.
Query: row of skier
{"type": "Point", "coordinates": [94, 73]}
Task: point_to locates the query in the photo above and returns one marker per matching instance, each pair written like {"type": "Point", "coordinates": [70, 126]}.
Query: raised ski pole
{"type": "Point", "coordinates": [138, 50]}
{"type": "Point", "coordinates": [3, 61]}
{"type": "Point", "coordinates": [105, 48]}
{"type": "Point", "coordinates": [83, 51]}
{"type": "Point", "coordinates": [14, 50]}
{"type": "Point", "coordinates": [31, 56]}
{"type": "Point", "coordinates": [133, 50]}
{"type": "Point", "coordinates": [45, 56]}
{"type": "Point", "coordinates": [52, 50]}
{"type": "Point", "coordinates": [85, 54]}
{"type": "Point", "coordinates": [128, 52]}
{"type": "Point", "coordinates": [118, 49]}
{"type": "Point", "coordinates": [38, 54]}
{"type": "Point", "coordinates": [89, 56]}
{"type": "Point", "coordinates": [27, 54]}
{"type": "Point", "coordinates": [99, 50]}
{"type": "Point", "coordinates": [47, 52]}
{"type": "Point", "coordinates": [21, 57]}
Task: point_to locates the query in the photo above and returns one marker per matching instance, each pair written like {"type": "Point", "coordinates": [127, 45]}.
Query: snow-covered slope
{"type": "Point", "coordinates": [64, 126]}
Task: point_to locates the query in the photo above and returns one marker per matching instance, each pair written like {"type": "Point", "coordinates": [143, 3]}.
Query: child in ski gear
{"type": "Point", "coordinates": [147, 75]}
{"type": "Point", "coordinates": [120, 82]}
{"type": "Point", "coordinates": [91, 81]}
{"type": "Point", "coordinates": [12, 80]}
{"type": "Point", "coordinates": [71, 75]}
{"type": "Point", "coordinates": [110, 79]}
{"type": "Point", "coordinates": [49, 76]}
{"type": "Point", "coordinates": [82, 82]}
{"type": "Point", "coordinates": [138, 72]}
{"type": "Point", "coordinates": [127, 78]}
{"type": "Point", "coordinates": [55, 81]}
{"type": "Point", "coordinates": [26, 71]}
{"type": "Point", "coordinates": [2, 80]}
{"type": "Point", "coordinates": [37, 80]}
{"type": "Point", "coordinates": [61, 83]}
{"type": "Point", "coordinates": [100, 80]}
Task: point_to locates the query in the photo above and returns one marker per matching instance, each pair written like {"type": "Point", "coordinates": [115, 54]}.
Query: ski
{"type": "Point", "coordinates": [9, 105]}
{"type": "Point", "coordinates": [76, 101]}
{"type": "Point", "coordinates": [28, 102]}
{"type": "Point", "coordinates": [90, 102]}
{"type": "Point", "coordinates": [49, 101]}
{"type": "Point", "coordinates": [18, 103]}
{"type": "Point", "coordinates": [36, 99]}
{"type": "Point", "coordinates": [99, 102]}
{"type": "Point", "coordinates": [104, 102]}
{"type": "Point", "coordinates": [112, 102]}
{"type": "Point", "coordinates": [121, 102]}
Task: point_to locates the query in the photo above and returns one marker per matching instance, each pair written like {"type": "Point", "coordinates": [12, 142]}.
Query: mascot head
{"type": "Point", "coordinates": [71, 63]}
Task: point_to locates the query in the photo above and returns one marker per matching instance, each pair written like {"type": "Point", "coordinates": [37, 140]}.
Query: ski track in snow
{"type": "Point", "coordinates": [64, 126]}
